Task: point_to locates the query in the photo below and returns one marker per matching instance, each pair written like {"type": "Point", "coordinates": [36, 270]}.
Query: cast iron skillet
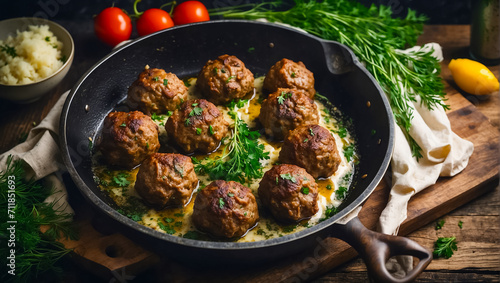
{"type": "Point", "coordinates": [184, 50]}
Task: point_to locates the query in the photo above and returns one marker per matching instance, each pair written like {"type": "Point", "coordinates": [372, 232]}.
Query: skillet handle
{"type": "Point", "coordinates": [376, 249]}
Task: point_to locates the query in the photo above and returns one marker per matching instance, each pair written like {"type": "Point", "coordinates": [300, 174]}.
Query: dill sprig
{"type": "Point", "coordinates": [36, 252]}
{"type": "Point", "coordinates": [375, 37]}
{"type": "Point", "coordinates": [241, 156]}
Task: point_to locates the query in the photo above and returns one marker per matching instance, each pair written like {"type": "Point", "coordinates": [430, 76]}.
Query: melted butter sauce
{"type": "Point", "coordinates": [119, 184]}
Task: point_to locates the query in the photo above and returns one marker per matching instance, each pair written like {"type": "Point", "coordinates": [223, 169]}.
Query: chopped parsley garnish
{"type": "Point", "coordinates": [210, 130]}
{"type": "Point", "coordinates": [373, 132]}
{"type": "Point", "coordinates": [444, 247]}
{"type": "Point", "coordinates": [179, 169]}
{"type": "Point", "coordinates": [329, 212]}
{"type": "Point", "coordinates": [187, 122]}
{"type": "Point", "coordinates": [460, 223]}
{"type": "Point", "coordinates": [289, 228]}
{"type": "Point", "coordinates": [342, 132]}
{"type": "Point", "coordinates": [230, 194]}
{"type": "Point", "coordinates": [223, 71]}
{"type": "Point", "coordinates": [186, 82]}
{"type": "Point", "coordinates": [328, 187]}
{"type": "Point", "coordinates": [198, 131]}
{"type": "Point", "coordinates": [168, 220]}
{"type": "Point", "coordinates": [311, 132]}
{"type": "Point", "coordinates": [283, 96]}
{"type": "Point", "coordinates": [196, 110]}
{"type": "Point", "coordinates": [155, 117]}
{"type": "Point", "coordinates": [147, 145]}
{"type": "Point", "coordinates": [221, 203]}
{"type": "Point", "coordinates": [251, 49]}
{"type": "Point", "coordinates": [169, 113]}
{"type": "Point", "coordinates": [166, 228]}
{"type": "Point", "coordinates": [194, 235]}
{"type": "Point", "coordinates": [277, 181]}
{"type": "Point", "coordinates": [165, 82]}
{"type": "Point", "coordinates": [63, 59]}
{"type": "Point", "coordinates": [123, 125]}
{"type": "Point", "coordinates": [306, 140]}
{"type": "Point", "coordinates": [180, 214]}
{"type": "Point", "coordinates": [121, 179]}
{"type": "Point", "coordinates": [293, 75]}
{"type": "Point", "coordinates": [439, 224]}
{"type": "Point", "coordinates": [47, 38]}
{"type": "Point", "coordinates": [230, 78]}
{"type": "Point", "coordinates": [305, 190]}
{"type": "Point", "coordinates": [289, 177]}
{"type": "Point", "coordinates": [156, 79]}
{"type": "Point", "coordinates": [215, 70]}
{"type": "Point", "coordinates": [340, 193]}
{"type": "Point", "coordinates": [349, 152]}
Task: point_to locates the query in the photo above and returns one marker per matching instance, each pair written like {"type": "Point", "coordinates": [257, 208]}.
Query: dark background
{"type": "Point", "coordinates": [438, 11]}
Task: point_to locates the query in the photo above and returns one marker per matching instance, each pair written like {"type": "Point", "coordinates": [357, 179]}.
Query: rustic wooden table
{"type": "Point", "coordinates": [478, 255]}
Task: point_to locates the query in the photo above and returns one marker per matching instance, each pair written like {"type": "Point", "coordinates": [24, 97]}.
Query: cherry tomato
{"type": "Point", "coordinates": [153, 20]}
{"type": "Point", "coordinates": [190, 12]}
{"type": "Point", "coordinates": [112, 26]}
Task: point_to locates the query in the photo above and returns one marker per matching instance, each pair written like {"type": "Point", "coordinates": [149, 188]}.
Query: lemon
{"type": "Point", "coordinates": [473, 77]}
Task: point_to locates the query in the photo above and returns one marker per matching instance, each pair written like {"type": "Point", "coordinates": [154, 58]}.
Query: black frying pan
{"type": "Point", "coordinates": [184, 50]}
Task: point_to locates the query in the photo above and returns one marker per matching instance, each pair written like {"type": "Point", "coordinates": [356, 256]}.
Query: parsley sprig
{"type": "Point", "coordinates": [375, 37]}
{"type": "Point", "coordinates": [444, 247]}
{"type": "Point", "coordinates": [241, 156]}
{"type": "Point", "coordinates": [9, 50]}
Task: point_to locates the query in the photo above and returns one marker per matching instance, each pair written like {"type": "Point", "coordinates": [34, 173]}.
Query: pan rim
{"type": "Point", "coordinates": [103, 207]}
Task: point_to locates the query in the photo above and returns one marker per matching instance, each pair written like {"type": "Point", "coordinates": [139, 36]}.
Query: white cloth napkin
{"type": "Point", "coordinates": [41, 155]}
{"type": "Point", "coordinates": [444, 154]}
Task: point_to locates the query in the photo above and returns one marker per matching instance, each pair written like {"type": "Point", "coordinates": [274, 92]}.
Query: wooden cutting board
{"type": "Point", "coordinates": [111, 254]}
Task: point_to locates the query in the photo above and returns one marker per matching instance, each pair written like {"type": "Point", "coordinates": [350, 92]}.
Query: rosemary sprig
{"type": "Point", "coordinates": [375, 37]}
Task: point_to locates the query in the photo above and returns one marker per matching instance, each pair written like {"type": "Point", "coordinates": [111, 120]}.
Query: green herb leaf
{"type": "Point", "coordinates": [340, 193]}
{"type": "Point", "coordinates": [156, 79]}
{"type": "Point", "coordinates": [123, 125]}
{"type": "Point", "coordinates": [439, 224]}
{"type": "Point", "coordinates": [198, 131]}
{"type": "Point", "coordinates": [328, 187]}
{"type": "Point", "coordinates": [11, 51]}
{"type": "Point", "coordinates": [305, 190]}
{"type": "Point", "coordinates": [210, 130]}
{"type": "Point", "coordinates": [460, 223]}
{"type": "Point", "coordinates": [221, 203]}
{"type": "Point", "coordinates": [165, 82]}
{"type": "Point", "coordinates": [121, 179]}
{"type": "Point", "coordinates": [349, 152]}
{"type": "Point", "coordinates": [444, 247]}
{"type": "Point", "coordinates": [230, 78]}
{"type": "Point", "coordinates": [289, 177]}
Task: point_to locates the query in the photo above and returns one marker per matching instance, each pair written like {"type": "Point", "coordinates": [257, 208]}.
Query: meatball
{"type": "Point", "coordinates": [156, 91]}
{"type": "Point", "coordinates": [286, 109]}
{"type": "Point", "coordinates": [128, 138]}
{"type": "Point", "coordinates": [224, 79]}
{"type": "Point", "coordinates": [166, 179]}
{"type": "Point", "coordinates": [289, 192]}
{"type": "Point", "coordinates": [225, 209]}
{"type": "Point", "coordinates": [313, 148]}
{"type": "Point", "coordinates": [288, 74]}
{"type": "Point", "coordinates": [197, 125]}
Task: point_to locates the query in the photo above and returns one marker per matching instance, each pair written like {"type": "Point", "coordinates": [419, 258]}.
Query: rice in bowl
{"type": "Point", "coordinates": [30, 56]}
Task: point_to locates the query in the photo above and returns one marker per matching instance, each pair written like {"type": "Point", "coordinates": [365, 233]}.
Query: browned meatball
{"type": "Point", "coordinates": [156, 91]}
{"type": "Point", "coordinates": [289, 192]}
{"type": "Point", "coordinates": [197, 125]}
{"type": "Point", "coordinates": [286, 109]}
{"type": "Point", "coordinates": [166, 179]}
{"type": "Point", "coordinates": [225, 209]}
{"type": "Point", "coordinates": [313, 148]}
{"type": "Point", "coordinates": [224, 79]}
{"type": "Point", "coordinates": [288, 74]}
{"type": "Point", "coordinates": [128, 138]}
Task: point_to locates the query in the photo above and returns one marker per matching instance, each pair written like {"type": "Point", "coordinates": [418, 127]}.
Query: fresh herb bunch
{"type": "Point", "coordinates": [444, 247]}
{"type": "Point", "coordinates": [375, 37]}
{"type": "Point", "coordinates": [241, 156]}
{"type": "Point", "coordinates": [36, 252]}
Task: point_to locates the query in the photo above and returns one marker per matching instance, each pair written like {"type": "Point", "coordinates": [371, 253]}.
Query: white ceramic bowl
{"type": "Point", "coordinates": [27, 93]}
